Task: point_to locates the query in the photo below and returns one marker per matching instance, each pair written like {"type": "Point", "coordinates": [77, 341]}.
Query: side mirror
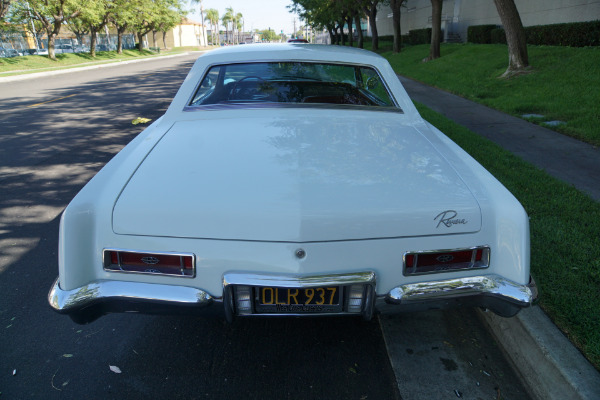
{"type": "Point", "coordinates": [372, 82]}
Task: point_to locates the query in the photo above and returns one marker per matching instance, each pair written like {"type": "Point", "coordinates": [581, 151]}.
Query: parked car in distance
{"type": "Point", "coordinates": [7, 53]}
{"type": "Point", "coordinates": [291, 180]}
{"type": "Point", "coordinates": [297, 40]}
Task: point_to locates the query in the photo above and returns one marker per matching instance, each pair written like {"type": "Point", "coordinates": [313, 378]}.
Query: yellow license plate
{"type": "Point", "coordinates": [298, 300]}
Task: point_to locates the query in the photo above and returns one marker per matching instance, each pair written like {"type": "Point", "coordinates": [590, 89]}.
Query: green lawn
{"type": "Point", "coordinates": [30, 64]}
{"type": "Point", "coordinates": [564, 82]}
{"type": "Point", "coordinates": [565, 236]}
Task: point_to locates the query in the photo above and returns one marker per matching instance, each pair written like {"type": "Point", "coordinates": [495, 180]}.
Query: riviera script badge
{"type": "Point", "coordinates": [448, 218]}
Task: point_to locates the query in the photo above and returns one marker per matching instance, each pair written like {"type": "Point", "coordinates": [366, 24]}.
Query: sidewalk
{"type": "Point", "coordinates": [547, 361]}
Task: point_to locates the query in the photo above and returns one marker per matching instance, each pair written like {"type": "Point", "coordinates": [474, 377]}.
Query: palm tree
{"type": "Point", "coordinates": [238, 24]}
{"type": "Point", "coordinates": [226, 19]}
{"type": "Point", "coordinates": [212, 16]}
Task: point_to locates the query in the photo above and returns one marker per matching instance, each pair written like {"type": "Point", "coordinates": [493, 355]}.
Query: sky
{"type": "Point", "coordinates": [258, 14]}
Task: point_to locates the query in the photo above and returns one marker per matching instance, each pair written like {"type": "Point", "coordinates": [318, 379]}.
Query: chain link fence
{"type": "Point", "coordinates": [14, 44]}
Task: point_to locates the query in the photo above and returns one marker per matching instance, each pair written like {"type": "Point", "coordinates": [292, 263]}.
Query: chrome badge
{"type": "Point", "coordinates": [448, 218]}
{"type": "Point", "coordinates": [150, 260]}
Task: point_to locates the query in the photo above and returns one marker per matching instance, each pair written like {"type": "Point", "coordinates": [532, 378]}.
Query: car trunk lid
{"type": "Point", "coordinates": [295, 178]}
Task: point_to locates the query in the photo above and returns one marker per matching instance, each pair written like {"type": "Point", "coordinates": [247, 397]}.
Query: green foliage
{"type": "Point", "coordinates": [498, 36]}
{"type": "Point", "coordinates": [480, 34]}
{"type": "Point", "coordinates": [419, 36]}
{"type": "Point", "coordinates": [561, 219]}
{"type": "Point", "coordinates": [472, 71]}
{"type": "Point", "coordinates": [268, 35]}
{"type": "Point", "coordinates": [576, 34]}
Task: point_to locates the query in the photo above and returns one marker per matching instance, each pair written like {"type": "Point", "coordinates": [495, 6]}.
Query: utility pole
{"type": "Point", "coordinates": [294, 37]}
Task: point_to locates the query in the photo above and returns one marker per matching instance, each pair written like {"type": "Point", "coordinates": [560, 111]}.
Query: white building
{"type": "Point", "coordinates": [458, 15]}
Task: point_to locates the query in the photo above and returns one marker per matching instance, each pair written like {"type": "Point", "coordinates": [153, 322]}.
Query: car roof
{"type": "Point", "coordinates": [291, 51]}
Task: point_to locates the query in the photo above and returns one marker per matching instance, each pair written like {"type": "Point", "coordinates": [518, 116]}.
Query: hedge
{"type": "Point", "coordinates": [420, 36]}
{"type": "Point", "coordinates": [480, 33]}
{"type": "Point", "coordinates": [574, 34]}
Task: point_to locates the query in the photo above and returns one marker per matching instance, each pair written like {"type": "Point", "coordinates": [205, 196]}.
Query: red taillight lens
{"type": "Point", "coordinates": [440, 261]}
{"type": "Point", "coordinates": [150, 263]}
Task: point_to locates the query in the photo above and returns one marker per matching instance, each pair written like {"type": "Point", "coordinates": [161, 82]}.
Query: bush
{"type": "Point", "coordinates": [480, 34]}
{"type": "Point", "coordinates": [419, 36]}
{"type": "Point", "coordinates": [386, 38]}
{"type": "Point", "coordinates": [498, 35]}
{"type": "Point", "coordinates": [576, 34]}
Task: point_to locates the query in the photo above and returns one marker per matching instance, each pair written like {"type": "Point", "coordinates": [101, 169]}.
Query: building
{"type": "Point", "coordinates": [188, 33]}
{"type": "Point", "coordinates": [458, 15]}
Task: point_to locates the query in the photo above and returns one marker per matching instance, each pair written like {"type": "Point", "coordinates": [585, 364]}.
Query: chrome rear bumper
{"type": "Point", "coordinates": [89, 302]}
{"type": "Point", "coordinates": [494, 292]}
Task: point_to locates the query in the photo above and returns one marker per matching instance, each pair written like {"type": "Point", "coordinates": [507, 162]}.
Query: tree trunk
{"type": "Point", "coordinates": [359, 30]}
{"type": "Point", "coordinates": [53, 31]}
{"type": "Point", "coordinates": [93, 38]}
{"type": "Point", "coordinates": [51, 41]}
{"type": "Point", "coordinates": [350, 35]}
{"type": "Point", "coordinates": [331, 34]}
{"type": "Point", "coordinates": [341, 28]}
{"type": "Point", "coordinates": [395, 5]}
{"type": "Point", "coordinates": [120, 31]}
{"type": "Point", "coordinates": [518, 59]}
{"type": "Point", "coordinates": [372, 13]}
{"type": "Point", "coordinates": [165, 39]}
{"type": "Point", "coordinates": [154, 39]}
{"type": "Point", "coordinates": [140, 41]}
{"type": "Point", "coordinates": [436, 30]}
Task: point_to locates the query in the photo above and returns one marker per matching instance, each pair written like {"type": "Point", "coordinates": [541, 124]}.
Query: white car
{"type": "Point", "coordinates": [291, 179]}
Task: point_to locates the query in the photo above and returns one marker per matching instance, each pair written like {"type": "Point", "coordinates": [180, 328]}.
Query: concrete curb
{"type": "Point", "coordinates": [551, 367]}
{"type": "Point", "coordinates": [22, 77]}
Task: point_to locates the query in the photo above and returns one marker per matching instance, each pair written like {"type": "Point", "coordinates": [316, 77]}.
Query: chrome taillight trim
{"type": "Point", "coordinates": [484, 263]}
{"type": "Point", "coordinates": [106, 261]}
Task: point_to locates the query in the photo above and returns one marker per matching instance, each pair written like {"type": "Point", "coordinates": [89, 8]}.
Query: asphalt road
{"type": "Point", "coordinates": [55, 134]}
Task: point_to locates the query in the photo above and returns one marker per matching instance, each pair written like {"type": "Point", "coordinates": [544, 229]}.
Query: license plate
{"type": "Point", "coordinates": [298, 300]}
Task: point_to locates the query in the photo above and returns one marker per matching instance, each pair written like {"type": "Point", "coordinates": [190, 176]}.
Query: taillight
{"type": "Point", "coordinates": [427, 262]}
{"type": "Point", "coordinates": [149, 263]}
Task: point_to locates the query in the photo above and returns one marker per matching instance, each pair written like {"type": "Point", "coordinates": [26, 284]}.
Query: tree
{"type": "Point", "coordinates": [396, 6]}
{"type": "Point", "coordinates": [4, 4]}
{"type": "Point", "coordinates": [212, 16]}
{"type": "Point", "coordinates": [436, 30]}
{"type": "Point", "coordinates": [202, 19]}
{"type": "Point", "coordinates": [95, 16]}
{"type": "Point", "coordinates": [358, 25]}
{"type": "Point", "coordinates": [167, 21]}
{"type": "Point", "coordinates": [148, 16]}
{"type": "Point", "coordinates": [518, 58]}
{"type": "Point", "coordinates": [239, 24]}
{"type": "Point", "coordinates": [370, 9]}
{"type": "Point", "coordinates": [79, 28]}
{"type": "Point", "coordinates": [268, 35]}
{"type": "Point", "coordinates": [226, 19]}
{"type": "Point", "coordinates": [51, 14]}
{"type": "Point", "coordinates": [122, 18]}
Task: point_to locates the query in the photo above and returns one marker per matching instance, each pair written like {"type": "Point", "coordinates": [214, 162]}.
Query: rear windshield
{"type": "Point", "coordinates": [292, 83]}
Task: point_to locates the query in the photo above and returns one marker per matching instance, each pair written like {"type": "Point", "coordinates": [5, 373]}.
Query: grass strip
{"type": "Point", "coordinates": [32, 64]}
{"type": "Point", "coordinates": [562, 84]}
{"type": "Point", "coordinates": [565, 235]}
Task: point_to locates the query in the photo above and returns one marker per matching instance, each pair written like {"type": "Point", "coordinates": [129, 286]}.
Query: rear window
{"type": "Point", "coordinates": [292, 83]}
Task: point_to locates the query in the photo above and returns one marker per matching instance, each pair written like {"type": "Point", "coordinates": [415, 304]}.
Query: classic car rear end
{"type": "Point", "coordinates": [292, 180]}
